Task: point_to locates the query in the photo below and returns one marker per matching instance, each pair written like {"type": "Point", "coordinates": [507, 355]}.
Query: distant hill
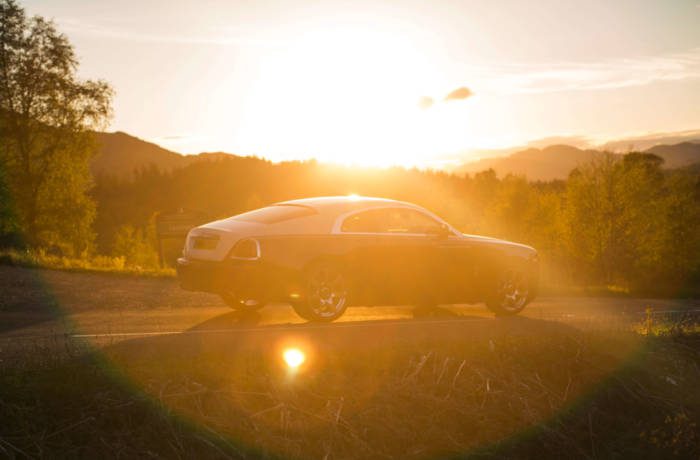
{"type": "Point", "coordinates": [679, 155]}
{"type": "Point", "coordinates": [120, 154]}
{"type": "Point", "coordinates": [557, 161]}
{"type": "Point", "coordinates": [553, 162]}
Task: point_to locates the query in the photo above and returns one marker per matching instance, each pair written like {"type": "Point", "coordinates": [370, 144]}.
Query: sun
{"type": "Point", "coordinates": [350, 94]}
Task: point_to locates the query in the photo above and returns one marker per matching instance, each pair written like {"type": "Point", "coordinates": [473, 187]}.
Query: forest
{"type": "Point", "coordinates": [617, 221]}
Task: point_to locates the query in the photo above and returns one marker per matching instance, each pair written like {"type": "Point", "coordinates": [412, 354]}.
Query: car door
{"type": "Point", "coordinates": [359, 231]}
{"type": "Point", "coordinates": [458, 260]}
{"type": "Point", "coordinates": [446, 258]}
{"type": "Point", "coordinates": [407, 255]}
{"type": "Point", "coordinates": [392, 261]}
{"type": "Point", "coordinates": [427, 261]}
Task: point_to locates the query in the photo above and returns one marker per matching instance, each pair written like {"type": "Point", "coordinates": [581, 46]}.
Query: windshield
{"type": "Point", "coordinates": [275, 213]}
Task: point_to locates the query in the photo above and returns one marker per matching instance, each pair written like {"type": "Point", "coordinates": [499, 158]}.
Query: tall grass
{"type": "Point", "coordinates": [39, 258]}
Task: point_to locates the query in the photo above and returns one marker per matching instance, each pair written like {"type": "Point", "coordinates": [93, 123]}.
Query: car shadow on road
{"type": "Point", "coordinates": [434, 312]}
{"type": "Point", "coordinates": [236, 336]}
{"type": "Point", "coordinates": [230, 320]}
{"type": "Point", "coordinates": [240, 319]}
{"type": "Point", "coordinates": [420, 317]}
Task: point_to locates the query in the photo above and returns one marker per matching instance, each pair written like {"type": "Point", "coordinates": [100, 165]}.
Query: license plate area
{"type": "Point", "coordinates": [207, 243]}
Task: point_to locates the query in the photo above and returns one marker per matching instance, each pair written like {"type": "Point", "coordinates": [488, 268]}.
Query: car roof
{"type": "Point", "coordinates": [325, 219]}
{"type": "Point", "coordinates": [341, 204]}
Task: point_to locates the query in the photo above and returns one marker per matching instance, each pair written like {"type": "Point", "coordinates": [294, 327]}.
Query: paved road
{"type": "Point", "coordinates": [42, 303]}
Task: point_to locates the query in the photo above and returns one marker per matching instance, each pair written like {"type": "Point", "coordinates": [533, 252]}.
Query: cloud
{"type": "Point", "coordinates": [581, 142]}
{"type": "Point", "coordinates": [459, 94]}
{"type": "Point", "coordinates": [425, 102]}
{"type": "Point", "coordinates": [218, 36]}
{"type": "Point", "coordinates": [586, 76]}
{"type": "Point", "coordinates": [645, 141]}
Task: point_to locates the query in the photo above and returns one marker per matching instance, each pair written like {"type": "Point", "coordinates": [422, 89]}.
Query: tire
{"type": "Point", "coordinates": [242, 305]}
{"type": "Point", "coordinates": [326, 291]}
{"type": "Point", "coordinates": [512, 292]}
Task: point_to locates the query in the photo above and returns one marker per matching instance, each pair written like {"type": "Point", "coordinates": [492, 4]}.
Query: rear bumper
{"type": "Point", "coordinates": [240, 278]}
{"type": "Point", "coordinates": [196, 275]}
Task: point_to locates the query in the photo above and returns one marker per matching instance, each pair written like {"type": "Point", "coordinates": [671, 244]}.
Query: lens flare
{"type": "Point", "coordinates": [293, 357]}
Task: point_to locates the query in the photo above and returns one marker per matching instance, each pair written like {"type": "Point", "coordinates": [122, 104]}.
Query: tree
{"type": "Point", "coordinates": [8, 221]}
{"type": "Point", "coordinates": [594, 212]}
{"type": "Point", "coordinates": [46, 118]}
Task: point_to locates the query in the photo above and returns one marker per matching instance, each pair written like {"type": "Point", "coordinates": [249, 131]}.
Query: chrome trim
{"type": "Point", "coordinates": [257, 250]}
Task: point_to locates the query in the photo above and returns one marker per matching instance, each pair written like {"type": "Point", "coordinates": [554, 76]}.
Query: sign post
{"type": "Point", "coordinates": [176, 225]}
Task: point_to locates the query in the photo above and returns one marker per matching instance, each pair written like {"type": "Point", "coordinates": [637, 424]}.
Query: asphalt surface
{"type": "Point", "coordinates": [50, 303]}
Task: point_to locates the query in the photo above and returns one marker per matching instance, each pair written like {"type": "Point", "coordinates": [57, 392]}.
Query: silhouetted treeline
{"type": "Point", "coordinates": [613, 222]}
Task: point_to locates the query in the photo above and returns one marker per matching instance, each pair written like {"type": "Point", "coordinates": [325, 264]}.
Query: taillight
{"type": "Point", "coordinates": [246, 249]}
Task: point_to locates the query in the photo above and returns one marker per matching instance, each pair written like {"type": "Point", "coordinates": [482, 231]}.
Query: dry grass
{"type": "Point", "coordinates": [563, 394]}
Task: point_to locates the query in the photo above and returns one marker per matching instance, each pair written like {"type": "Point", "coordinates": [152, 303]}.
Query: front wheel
{"type": "Point", "coordinates": [325, 295]}
{"type": "Point", "coordinates": [511, 293]}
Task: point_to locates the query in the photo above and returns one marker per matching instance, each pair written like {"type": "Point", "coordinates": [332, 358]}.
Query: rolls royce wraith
{"type": "Point", "coordinates": [322, 255]}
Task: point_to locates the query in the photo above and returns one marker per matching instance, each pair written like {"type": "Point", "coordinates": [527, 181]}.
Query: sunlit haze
{"type": "Point", "coordinates": [366, 82]}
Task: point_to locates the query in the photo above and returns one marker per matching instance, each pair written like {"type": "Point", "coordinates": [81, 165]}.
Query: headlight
{"type": "Point", "coordinates": [246, 249]}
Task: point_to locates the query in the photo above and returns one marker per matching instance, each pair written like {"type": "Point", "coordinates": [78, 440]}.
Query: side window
{"type": "Point", "coordinates": [421, 223]}
{"type": "Point", "coordinates": [410, 221]}
{"type": "Point", "coordinates": [363, 222]}
{"type": "Point", "coordinates": [394, 220]}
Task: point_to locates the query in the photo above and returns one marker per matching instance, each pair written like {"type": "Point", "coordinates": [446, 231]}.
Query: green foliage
{"type": "Point", "coordinates": [39, 258]}
{"type": "Point", "coordinates": [136, 247]}
{"type": "Point", "coordinates": [46, 114]}
{"type": "Point", "coordinates": [628, 222]}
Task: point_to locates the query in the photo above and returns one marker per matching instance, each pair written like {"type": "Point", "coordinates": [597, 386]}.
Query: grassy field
{"type": "Point", "coordinates": [96, 263]}
{"type": "Point", "coordinates": [531, 390]}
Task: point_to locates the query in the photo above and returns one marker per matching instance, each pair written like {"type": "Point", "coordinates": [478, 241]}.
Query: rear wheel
{"type": "Point", "coordinates": [325, 295]}
{"type": "Point", "coordinates": [512, 293]}
{"type": "Point", "coordinates": [241, 304]}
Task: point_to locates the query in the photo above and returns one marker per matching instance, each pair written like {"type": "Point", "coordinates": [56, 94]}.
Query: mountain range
{"type": "Point", "coordinates": [121, 154]}
{"type": "Point", "coordinates": [556, 161]}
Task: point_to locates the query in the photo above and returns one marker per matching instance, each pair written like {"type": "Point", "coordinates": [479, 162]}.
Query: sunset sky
{"type": "Point", "coordinates": [365, 81]}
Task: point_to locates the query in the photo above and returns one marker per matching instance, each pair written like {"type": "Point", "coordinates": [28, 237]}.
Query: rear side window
{"type": "Point", "coordinates": [275, 213]}
{"type": "Point", "coordinates": [365, 222]}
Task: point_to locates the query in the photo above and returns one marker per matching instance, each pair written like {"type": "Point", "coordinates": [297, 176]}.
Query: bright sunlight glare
{"type": "Point", "coordinates": [350, 95]}
{"type": "Point", "coordinates": [294, 357]}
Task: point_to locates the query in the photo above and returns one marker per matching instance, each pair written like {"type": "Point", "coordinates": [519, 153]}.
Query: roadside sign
{"type": "Point", "coordinates": [176, 225]}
